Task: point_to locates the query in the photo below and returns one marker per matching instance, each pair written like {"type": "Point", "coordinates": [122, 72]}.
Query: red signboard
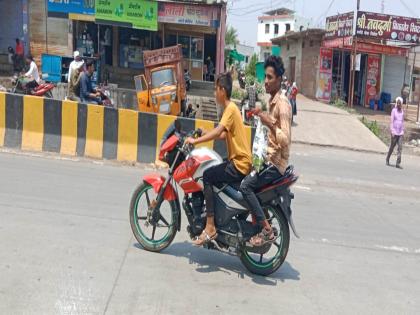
{"type": "Point", "coordinates": [325, 74]}
{"type": "Point", "coordinates": [179, 13]}
{"type": "Point", "coordinates": [381, 49]}
{"type": "Point", "coordinates": [388, 27]}
{"type": "Point", "coordinates": [344, 42]}
{"type": "Point", "coordinates": [340, 25]}
{"type": "Point", "coordinates": [373, 77]}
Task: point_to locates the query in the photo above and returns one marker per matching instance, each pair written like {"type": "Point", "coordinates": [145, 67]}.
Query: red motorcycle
{"type": "Point", "coordinates": [23, 86]}
{"type": "Point", "coordinates": [155, 208]}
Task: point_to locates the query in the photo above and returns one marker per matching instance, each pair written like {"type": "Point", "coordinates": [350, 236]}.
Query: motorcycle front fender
{"type": "Point", "coordinates": [287, 211]}
{"type": "Point", "coordinates": [156, 181]}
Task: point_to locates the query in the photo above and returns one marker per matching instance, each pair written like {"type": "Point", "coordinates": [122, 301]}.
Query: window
{"type": "Point", "coordinates": [162, 77]}
{"type": "Point", "coordinates": [288, 47]}
{"type": "Point", "coordinates": [303, 44]}
{"type": "Point", "coordinates": [287, 27]}
{"type": "Point", "coordinates": [197, 48]}
{"type": "Point", "coordinates": [276, 29]}
{"type": "Point", "coordinates": [185, 42]}
{"type": "Point", "coordinates": [311, 43]}
{"type": "Point", "coordinates": [267, 28]}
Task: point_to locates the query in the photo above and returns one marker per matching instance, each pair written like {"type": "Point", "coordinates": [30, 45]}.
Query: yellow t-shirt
{"type": "Point", "coordinates": [239, 150]}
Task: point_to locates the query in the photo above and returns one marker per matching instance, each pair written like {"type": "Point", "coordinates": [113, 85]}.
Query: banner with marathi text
{"type": "Point", "coordinates": [141, 14]}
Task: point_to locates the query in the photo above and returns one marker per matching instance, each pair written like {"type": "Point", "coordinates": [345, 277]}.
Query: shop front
{"type": "Point", "coordinates": [118, 32]}
{"type": "Point", "coordinates": [360, 69]}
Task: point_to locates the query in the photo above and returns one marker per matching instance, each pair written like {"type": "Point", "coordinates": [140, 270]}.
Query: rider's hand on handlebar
{"type": "Point", "coordinates": [190, 140]}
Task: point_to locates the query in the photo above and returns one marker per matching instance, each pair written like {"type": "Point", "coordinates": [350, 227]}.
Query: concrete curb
{"type": "Point", "coordinates": [68, 128]}
{"type": "Point", "coordinates": [332, 146]}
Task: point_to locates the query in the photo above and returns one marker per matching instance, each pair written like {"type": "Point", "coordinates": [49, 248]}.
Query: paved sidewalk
{"type": "Point", "coordinates": [319, 124]}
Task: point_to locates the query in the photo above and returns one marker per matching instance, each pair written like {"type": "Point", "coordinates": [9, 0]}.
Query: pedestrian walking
{"type": "Point", "coordinates": [292, 98]}
{"type": "Point", "coordinates": [397, 131]}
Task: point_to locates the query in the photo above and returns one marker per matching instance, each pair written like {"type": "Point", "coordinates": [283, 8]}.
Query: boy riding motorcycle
{"type": "Point", "coordinates": [239, 161]}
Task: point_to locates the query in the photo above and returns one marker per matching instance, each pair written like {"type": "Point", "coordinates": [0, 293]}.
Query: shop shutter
{"type": "Point", "coordinates": [393, 78]}
{"type": "Point", "coordinates": [10, 24]}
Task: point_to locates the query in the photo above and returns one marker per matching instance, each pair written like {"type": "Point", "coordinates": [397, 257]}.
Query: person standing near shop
{"type": "Point", "coordinates": [73, 65]}
{"type": "Point", "coordinates": [397, 131]}
{"type": "Point", "coordinates": [19, 52]}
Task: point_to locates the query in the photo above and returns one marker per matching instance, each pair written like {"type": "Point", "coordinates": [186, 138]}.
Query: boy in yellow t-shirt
{"type": "Point", "coordinates": [239, 161]}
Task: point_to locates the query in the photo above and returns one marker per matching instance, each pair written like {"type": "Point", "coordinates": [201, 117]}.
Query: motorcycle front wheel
{"type": "Point", "coordinates": [152, 237]}
{"type": "Point", "coordinates": [268, 263]}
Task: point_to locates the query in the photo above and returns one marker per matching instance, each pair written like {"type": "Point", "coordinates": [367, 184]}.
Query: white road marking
{"type": "Point", "coordinates": [303, 187]}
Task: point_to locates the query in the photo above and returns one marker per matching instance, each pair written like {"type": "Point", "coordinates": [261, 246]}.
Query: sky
{"type": "Point", "coordinates": [243, 14]}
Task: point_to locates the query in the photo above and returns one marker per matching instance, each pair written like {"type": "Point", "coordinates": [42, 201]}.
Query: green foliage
{"type": "Point", "coordinates": [371, 125]}
{"type": "Point", "coordinates": [237, 94]}
{"type": "Point", "coordinates": [251, 68]}
{"type": "Point", "coordinates": [231, 36]}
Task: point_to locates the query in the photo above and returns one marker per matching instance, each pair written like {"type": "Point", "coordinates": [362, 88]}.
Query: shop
{"type": "Point", "coordinates": [118, 37]}
{"type": "Point", "coordinates": [379, 69]}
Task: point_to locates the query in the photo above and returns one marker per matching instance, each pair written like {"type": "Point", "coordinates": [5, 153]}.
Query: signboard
{"type": "Point", "coordinates": [325, 74]}
{"type": "Point", "coordinates": [140, 14]}
{"type": "Point", "coordinates": [382, 49]}
{"type": "Point", "coordinates": [188, 14]}
{"type": "Point", "coordinates": [344, 42]}
{"type": "Point", "coordinates": [339, 25]}
{"type": "Point", "coordinates": [72, 6]}
{"type": "Point", "coordinates": [388, 27]}
{"type": "Point", "coordinates": [373, 77]}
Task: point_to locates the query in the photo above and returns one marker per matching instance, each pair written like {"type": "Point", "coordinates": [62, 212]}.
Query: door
{"type": "Point", "coordinates": [292, 69]}
{"type": "Point", "coordinates": [142, 90]}
{"type": "Point", "coordinates": [393, 79]}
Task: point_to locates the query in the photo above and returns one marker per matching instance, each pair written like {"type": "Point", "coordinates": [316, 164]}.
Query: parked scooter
{"type": "Point", "coordinates": [23, 86]}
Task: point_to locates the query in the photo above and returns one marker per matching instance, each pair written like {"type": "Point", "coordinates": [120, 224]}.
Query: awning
{"type": "Point", "coordinates": [236, 56]}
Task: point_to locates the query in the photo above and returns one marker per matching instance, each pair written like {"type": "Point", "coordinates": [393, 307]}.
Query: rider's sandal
{"type": "Point", "coordinates": [204, 238]}
{"type": "Point", "coordinates": [263, 238]}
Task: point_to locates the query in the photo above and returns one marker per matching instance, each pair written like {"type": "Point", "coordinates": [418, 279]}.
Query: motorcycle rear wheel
{"type": "Point", "coordinates": [255, 262]}
{"type": "Point", "coordinates": [140, 202]}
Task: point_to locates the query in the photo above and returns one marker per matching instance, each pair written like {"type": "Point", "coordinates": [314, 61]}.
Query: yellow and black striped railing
{"type": "Point", "coordinates": [69, 128]}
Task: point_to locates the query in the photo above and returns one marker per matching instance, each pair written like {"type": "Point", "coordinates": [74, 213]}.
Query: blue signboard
{"type": "Point", "coordinates": [72, 6]}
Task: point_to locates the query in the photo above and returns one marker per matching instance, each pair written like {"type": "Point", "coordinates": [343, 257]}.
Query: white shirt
{"type": "Point", "coordinates": [33, 72]}
{"type": "Point", "coordinates": [72, 67]}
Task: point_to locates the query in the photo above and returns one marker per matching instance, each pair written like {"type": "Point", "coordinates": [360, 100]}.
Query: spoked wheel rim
{"type": "Point", "coordinates": [274, 254]}
{"type": "Point", "coordinates": [154, 234]}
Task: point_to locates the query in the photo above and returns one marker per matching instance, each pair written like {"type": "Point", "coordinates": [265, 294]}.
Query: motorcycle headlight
{"type": "Point", "coordinates": [173, 97]}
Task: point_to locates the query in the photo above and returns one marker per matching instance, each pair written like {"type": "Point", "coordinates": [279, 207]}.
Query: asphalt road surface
{"type": "Point", "coordinates": [66, 245]}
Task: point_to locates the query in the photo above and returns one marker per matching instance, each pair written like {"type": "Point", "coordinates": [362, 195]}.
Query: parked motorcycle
{"type": "Point", "coordinates": [242, 79]}
{"type": "Point", "coordinates": [105, 97]}
{"type": "Point", "coordinates": [155, 208]}
{"type": "Point", "coordinates": [187, 78]}
{"type": "Point", "coordinates": [23, 86]}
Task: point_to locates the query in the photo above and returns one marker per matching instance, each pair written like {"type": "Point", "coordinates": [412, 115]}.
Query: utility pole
{"type": "Point", "coordinates": [353, 65]}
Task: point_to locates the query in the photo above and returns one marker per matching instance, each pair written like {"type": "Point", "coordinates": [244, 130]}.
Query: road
{"type": "Point", "coordinates": [66, 245]}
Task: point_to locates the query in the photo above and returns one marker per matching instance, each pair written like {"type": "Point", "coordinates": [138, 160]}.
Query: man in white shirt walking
{"type": "Point", "coordinates": [73, 65]}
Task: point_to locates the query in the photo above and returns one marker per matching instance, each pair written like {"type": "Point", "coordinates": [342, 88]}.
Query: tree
{"type": "Point", "coordinates": [231, 36]}
{"type": "Point", "coordinates": [251, 68]}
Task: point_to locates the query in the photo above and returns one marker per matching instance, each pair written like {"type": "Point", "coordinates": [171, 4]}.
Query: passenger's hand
{"type": "Point", "coordinates": [190, 140]}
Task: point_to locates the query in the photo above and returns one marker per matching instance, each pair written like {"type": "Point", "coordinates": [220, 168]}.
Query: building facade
{"type": "Point", "coordinates": [118, 41]}
{"type": "Point", "coordinates": [277, 23]}
{"type": "Point", "coordinates": [300, 55]}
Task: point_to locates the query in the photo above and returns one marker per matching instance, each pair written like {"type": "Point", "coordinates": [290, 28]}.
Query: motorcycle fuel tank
{"type": "Point", "coordinates": [190, 172]}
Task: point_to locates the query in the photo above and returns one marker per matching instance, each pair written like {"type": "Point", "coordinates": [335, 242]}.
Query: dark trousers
{"type": "Point", "coordinates": [225, 173]}
{"type": "Point", "coordinates": [254, 181]}
{"type": "Point", "coordinates": [396, 140]}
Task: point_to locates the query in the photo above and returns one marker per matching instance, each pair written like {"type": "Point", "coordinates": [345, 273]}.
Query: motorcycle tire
{"type": "Point", "coordinates": [48, 94]}
{"type": "Point", "coordinates": [147, 243]}
{"type": "Point", "coordinates": [268, 267]}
